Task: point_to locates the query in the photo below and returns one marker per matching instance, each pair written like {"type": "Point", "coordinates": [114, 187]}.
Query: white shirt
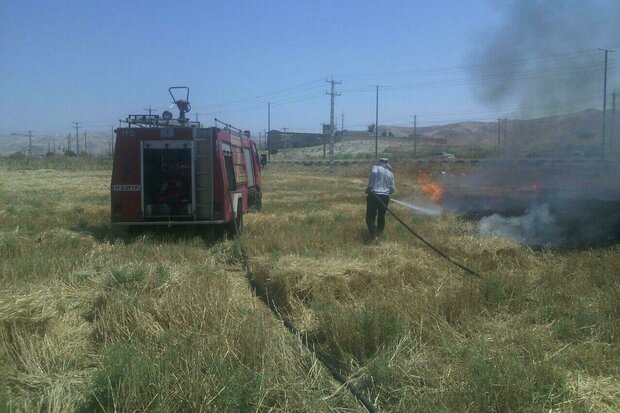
{"type": "Point", "coordinates": [381, 181]}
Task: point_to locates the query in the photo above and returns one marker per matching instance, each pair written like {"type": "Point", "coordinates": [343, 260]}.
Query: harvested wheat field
{"type": "Point", "coordinates": [96, 319]}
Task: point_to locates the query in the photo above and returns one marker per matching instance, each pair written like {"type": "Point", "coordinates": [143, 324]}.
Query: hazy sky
{"type": "Point", "coordinates": [97, 61]}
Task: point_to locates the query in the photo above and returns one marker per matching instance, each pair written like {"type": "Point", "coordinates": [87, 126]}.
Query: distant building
{"type": "Point", "coordinates": [283, 140]}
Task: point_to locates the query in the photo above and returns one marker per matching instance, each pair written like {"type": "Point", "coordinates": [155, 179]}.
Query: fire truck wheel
{"type": "Point", "coordinates": [240, 218]}
{"type": "Point", "coordinates": [239, 222]}
{"type": "Point", "coordinates": [258, 205]}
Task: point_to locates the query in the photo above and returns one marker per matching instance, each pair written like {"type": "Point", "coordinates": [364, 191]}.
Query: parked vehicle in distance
{"type": "Point", "coordinates": [446, 155]}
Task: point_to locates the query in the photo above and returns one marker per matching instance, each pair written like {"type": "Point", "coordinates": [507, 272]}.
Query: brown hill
{"type": "Point", "coordinates": [575, 133]}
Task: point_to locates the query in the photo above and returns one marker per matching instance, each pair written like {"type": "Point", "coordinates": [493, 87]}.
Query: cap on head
{"type": "Point", "coordinates": [385, 162]}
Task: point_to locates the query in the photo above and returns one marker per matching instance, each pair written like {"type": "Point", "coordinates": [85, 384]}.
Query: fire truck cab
{"type": "Point", "coordinates": [176, 172]}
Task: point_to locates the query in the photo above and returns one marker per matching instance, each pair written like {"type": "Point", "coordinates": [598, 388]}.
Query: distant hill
{"type": "Point", "coordinates": [575, 133]}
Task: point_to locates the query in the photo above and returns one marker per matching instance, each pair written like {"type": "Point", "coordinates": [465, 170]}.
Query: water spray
{"type": "Point", "coordinates": [428, 210]}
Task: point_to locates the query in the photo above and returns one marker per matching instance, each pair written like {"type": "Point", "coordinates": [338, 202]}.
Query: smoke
{"type": "Point", "coordinates": [550, 226]}
{"type": "Point", "coordinates": [537, 227]}
{"type": "Point", "coordinates": [544, 55]}
{"type": "Point", "coordinates": [543, 58]}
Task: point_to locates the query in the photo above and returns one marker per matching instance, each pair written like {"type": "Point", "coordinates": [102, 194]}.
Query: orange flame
{"type": "Point", "coordinates": [433, 189]}
{"type": "Point", "coordinates": [536, 187]}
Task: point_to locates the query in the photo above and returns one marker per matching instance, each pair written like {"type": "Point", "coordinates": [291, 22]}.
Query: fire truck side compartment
{"type": "Point", "coordinates": [203, 173]}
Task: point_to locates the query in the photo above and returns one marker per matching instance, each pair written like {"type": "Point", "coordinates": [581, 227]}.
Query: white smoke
{"type": "Point", "coordinates": [537, 227]}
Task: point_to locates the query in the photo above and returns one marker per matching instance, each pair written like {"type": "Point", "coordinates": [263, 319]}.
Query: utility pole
{"type": "Point", "coordinates": [332, 126]}
{"type": "Point", "coordinates": [415, 135]}
{"type": "Point", "coordinates": [377, 120]}
{"type": "Point", "coordinates": [505, 131]}
{"type": "Point", "coordinates": [284, 137]}
{"type": "Point", "coordinates": [150, 110]}
{"type": "Point", "coordinates": [604, 102]}
{"type": "Point", "coordinates": [54, 143]}
{"type": "Point", "coordinates": [29, 135]}
{"type": "Point", "coordinates": [76, 125]}
{"type": "Point", "coordinates": [323, 140]}
{"type": "Point", "coordinates": [29, 143]}
{"type": "Point", "coordinates": [112, 142]}
{"type": "Point", "coordinates": [269, 130]}
{"type": "Point", "coordinates": [613, 117]}
{"type": "Point", "coordinates": [85, 150]}
{"type": "Point", "coordinates": [499, 131]}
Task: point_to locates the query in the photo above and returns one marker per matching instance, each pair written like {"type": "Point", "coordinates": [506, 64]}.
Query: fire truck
{"type": "Point", "coordinates": [171, 171]}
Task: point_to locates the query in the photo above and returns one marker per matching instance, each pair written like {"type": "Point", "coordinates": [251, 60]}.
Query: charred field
{"type": "Point", "coordinates": [95, 319]}
{"type": "Point", "coordinates": [562, 202]}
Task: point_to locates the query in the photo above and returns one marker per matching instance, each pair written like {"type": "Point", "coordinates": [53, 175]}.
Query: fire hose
{"type": "Point", "coordinates": [425, 242]}
{"type": "Point", "coordinates": [261, 293]}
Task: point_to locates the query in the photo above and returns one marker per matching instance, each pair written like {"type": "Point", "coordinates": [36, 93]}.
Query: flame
{"type": "Point", "coordinates": [433, 189]}
{"type": "Point", "coordinates": [536, 187]}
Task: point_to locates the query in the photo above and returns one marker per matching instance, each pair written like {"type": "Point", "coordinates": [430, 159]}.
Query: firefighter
{"type": "Point", "coordinates": [380, 187]}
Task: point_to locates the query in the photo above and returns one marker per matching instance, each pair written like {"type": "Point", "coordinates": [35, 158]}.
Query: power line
{"type": "Point", "coordinates": [258, 98]}
{"type": "Point", "coordinates": [525, 74]}
{"type": "Point", "coordinates": [468, 68]}
{"type": "Point", "coordinates": [529, 72]}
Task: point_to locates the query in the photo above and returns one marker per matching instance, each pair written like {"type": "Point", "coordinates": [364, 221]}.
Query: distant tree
{"type": "Point", "coordinates": [17, 155]}
{"type": "Point", "coordinates": [70, 153]}
{"type": "Point", "coordinates": [371, 128]}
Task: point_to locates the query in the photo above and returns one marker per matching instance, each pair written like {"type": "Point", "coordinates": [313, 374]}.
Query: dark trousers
{"type": "Point", "coordinates": [375, 212]}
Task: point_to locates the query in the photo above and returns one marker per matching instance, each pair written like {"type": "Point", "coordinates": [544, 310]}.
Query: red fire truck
{"type": "Point", "coordinates": [176, 172]}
